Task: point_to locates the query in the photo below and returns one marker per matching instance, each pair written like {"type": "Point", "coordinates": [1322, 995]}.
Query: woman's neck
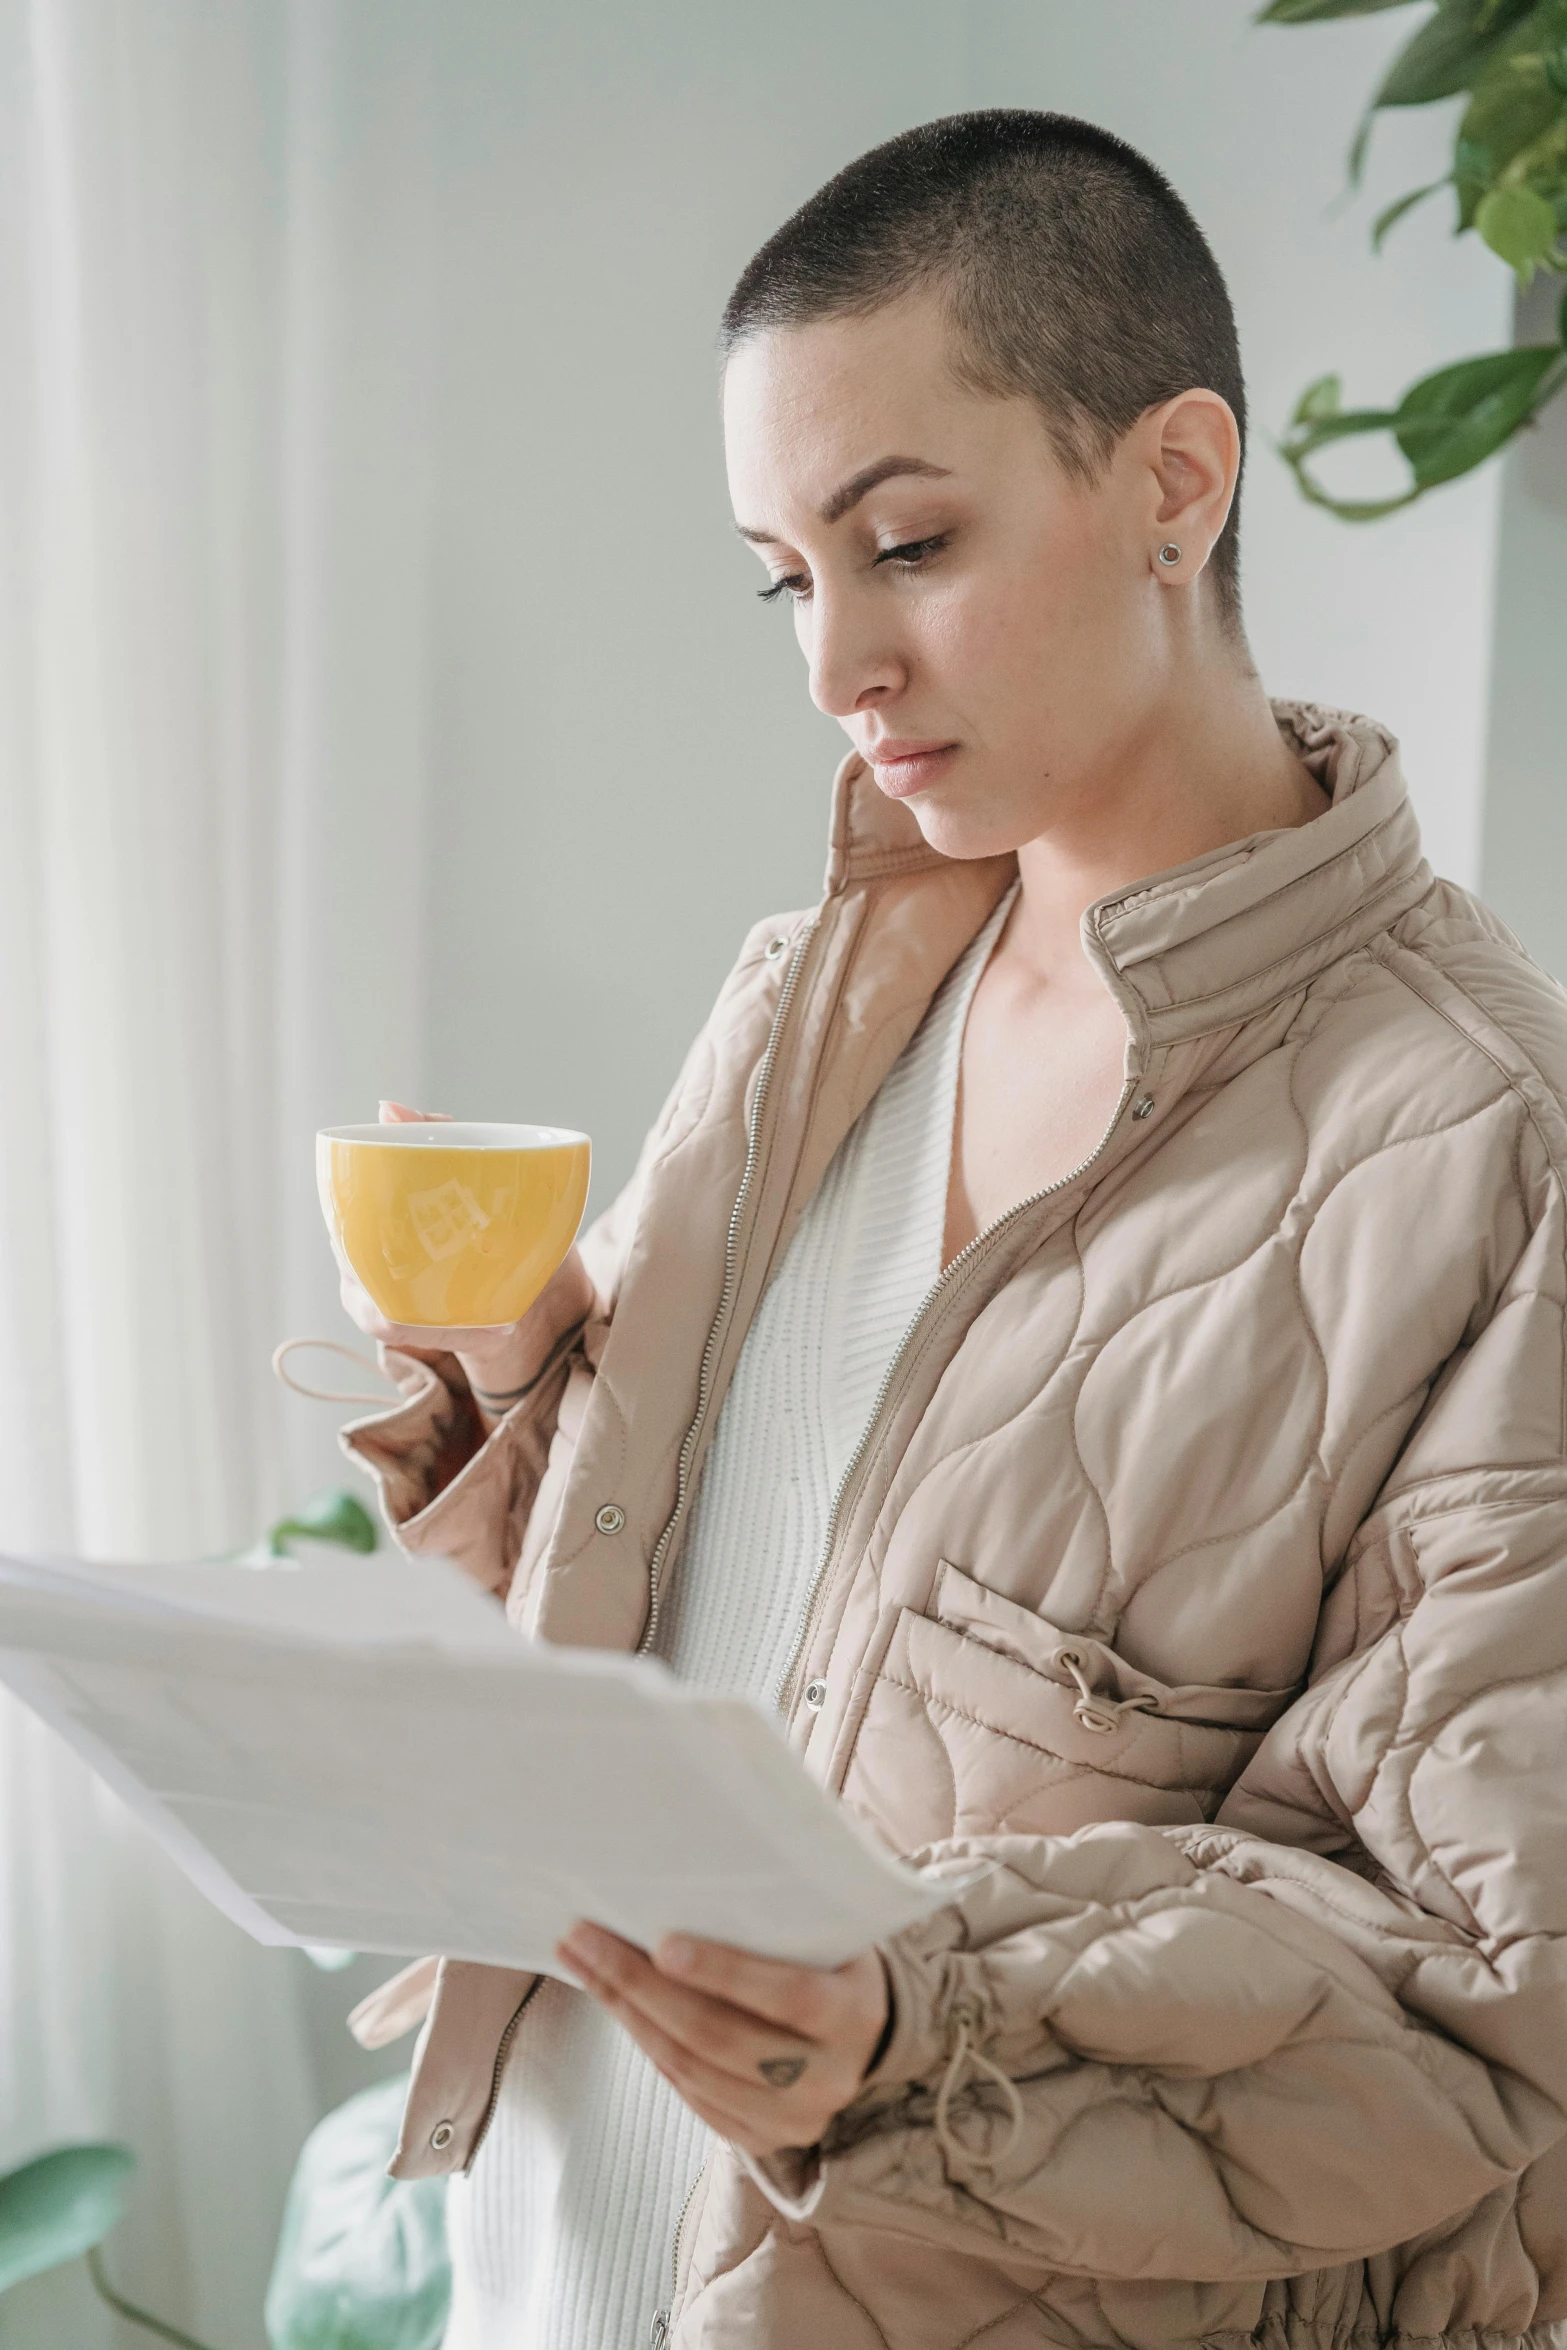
{"type": "Point", "coordinates": [1211, 769]}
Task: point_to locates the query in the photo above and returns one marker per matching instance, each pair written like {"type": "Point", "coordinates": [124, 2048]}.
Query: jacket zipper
{"type": "Point", "coordinates": [944, 1279]}
{"type": "Point", "coordinates": [655, 1572]}
{"type": "Point", "coordinates": [658, 2336]}
{"type": "Point", "coordinates": [502, 2051]}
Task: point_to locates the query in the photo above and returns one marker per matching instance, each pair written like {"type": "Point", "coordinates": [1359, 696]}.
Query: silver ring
{"type": "Point", "coordinates": [1169, 554]}
{"type": "Point", "coordinates": [781, 2072]}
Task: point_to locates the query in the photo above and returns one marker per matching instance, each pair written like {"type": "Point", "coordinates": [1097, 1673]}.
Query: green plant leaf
{"type": "Point", "coordinates": [1331, 423]}
{"type": "Point", "coordinates": [1318, 11]}
{"type": "Point", "coordinates": [1473, 175]}
{"type": "Point", "coordinates": [1307, 439]}
{"type": "Point", "coordinates": [1519, 226]}
{"type": "Point", "coordinates": [1471, 161]}
{"type": "Point", "coordinates": [361, 2262]}
{"type": "Point", "coordinates": [1319, 401]}
{"type": "Point", "coordinates": [1340, 424]}
{"type": "Point", "coordinates": [1445, 425]}
{"type": "Point", "coordinates": [1395, 212]}
{"type": "Point", "coordinates": [58, 2206]}
{"type": "Point", "coordinates": [1448, 52]}
{"type": "Point", "coordinates": [1352, 509]}
{"type": "Point", "coordinates": [333, 1516]}
{"type": "Point", "coordinates": [1542, 164]}
{"type": "Point", "coordinates": [1513, 103]}
{"type": "Point", "coordinates": [1451, 421]}
{"type": "Point", "coordinates": [1510, 176]}
{"type": "Point", "coordinates": [1360, 146]}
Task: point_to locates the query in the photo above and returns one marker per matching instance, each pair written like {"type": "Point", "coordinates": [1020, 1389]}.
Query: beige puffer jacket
{"type": "Point", "coordinates": [1202, 1576]}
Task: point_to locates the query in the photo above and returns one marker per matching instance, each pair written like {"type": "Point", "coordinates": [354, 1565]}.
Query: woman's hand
{"type": "Point", "coordinates": [765, 2053]}
{"type": "Point", "coordinates": [489, 1356]}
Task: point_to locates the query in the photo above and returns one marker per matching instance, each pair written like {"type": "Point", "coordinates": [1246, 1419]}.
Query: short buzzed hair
{"type": "Point", "coordinates": [1072, 273]}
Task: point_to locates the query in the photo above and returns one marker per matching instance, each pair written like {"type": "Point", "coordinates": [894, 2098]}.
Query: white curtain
{"type": "Point", "coordinates": [213, 359]}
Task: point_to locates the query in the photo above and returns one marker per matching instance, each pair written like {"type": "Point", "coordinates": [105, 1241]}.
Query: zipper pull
{"type": "Point", "coordinates": [658, 2332]}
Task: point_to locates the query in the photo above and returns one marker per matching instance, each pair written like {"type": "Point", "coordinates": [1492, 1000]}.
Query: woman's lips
{"type": "Point", "coordinates": [902, 769]}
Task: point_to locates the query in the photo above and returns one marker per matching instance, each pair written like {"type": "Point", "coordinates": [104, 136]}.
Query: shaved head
{"type": "Point", "coordinates": [1069, 270]}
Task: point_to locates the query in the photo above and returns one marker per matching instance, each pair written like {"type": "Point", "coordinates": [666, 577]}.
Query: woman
{"type": "Point", "coordinates": [1085, 1339]}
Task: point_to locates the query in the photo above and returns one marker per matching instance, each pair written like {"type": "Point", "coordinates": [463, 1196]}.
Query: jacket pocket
{"type": "Point", "coordinates": [986, 1718]}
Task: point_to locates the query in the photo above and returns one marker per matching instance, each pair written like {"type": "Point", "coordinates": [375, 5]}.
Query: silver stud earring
{"type": "Point", "coordinates": [1169, 554]}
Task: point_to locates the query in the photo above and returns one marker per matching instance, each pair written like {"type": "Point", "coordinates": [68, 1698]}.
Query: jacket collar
{"type": "Point", "coordinates": [1222, 938]}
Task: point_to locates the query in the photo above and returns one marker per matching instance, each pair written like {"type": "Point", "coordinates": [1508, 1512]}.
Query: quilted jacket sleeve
{"type": "Point", "coordinates": [1337, 2017]}
{"type": "Point", "coordinates": [449, 1490]}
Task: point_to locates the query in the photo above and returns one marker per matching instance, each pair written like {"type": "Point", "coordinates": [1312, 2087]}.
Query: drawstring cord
{"type": "Point", "coordinates": [966, 2016]}
{"type": "Point", "coordinates": [360, 1362]}
{"type": "Point", "coordinates": [1093, 1711]}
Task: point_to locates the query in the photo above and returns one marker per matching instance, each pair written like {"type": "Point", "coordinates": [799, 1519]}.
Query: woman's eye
{"type": "Point", "coordinates": [913, 552]}
{"type": "Point", "coordinates": [908, 556]}
{"type": "Point", "coordinates": [794, 584]}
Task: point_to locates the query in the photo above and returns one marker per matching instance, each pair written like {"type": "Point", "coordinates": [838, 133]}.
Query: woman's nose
{"type": "Point", "coordinates": [851, 662]}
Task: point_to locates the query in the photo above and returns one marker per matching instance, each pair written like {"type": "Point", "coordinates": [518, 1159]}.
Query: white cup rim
{"type": "Point", "coordinates": [455, 1134]}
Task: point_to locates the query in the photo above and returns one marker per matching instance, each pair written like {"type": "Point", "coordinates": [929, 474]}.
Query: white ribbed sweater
{"type": "Point", "coordinates": [563, 2235]}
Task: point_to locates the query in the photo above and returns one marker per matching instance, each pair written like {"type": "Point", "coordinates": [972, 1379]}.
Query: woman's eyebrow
{"type": "Point", "coordinates": [858, 486]}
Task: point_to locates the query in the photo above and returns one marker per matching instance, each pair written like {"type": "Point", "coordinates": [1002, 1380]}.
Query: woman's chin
{"type": "Point", "coordinates": [963, 833]}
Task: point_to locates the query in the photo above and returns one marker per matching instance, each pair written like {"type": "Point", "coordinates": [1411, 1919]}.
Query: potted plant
{"type": "Point", "coordinates": [1507, 60]}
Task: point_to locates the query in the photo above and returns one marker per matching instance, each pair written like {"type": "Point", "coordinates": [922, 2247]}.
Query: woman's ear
{"type": "Point", "coordinates": [1194, 451]}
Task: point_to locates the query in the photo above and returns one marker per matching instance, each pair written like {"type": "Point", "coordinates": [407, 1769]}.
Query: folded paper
{"type": "Point", "coordinates": [362, 1752]}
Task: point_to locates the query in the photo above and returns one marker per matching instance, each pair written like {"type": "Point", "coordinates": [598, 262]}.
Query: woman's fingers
{"type": "Point", "coordinates": [730, 2040]}
{"type": "Point", "coordinates": [763, 2083]}
{"type": "Point", "coordinates": [807, 2000]}
{"type": "Point", "coordinates": [362, 1310]}
{"type": "Point", "coordinates": [724, 2103]}
{"type": "Point", "coordinates": [399, 1114]}
{"type": "Point", "coordinates": [366, 1315]}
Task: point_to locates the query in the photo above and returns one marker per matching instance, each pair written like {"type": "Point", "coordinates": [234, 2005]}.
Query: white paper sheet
{"type": "Point", "coordinates": [362, 1752]}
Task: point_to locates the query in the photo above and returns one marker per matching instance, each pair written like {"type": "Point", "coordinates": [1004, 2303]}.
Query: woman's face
{"type": "Point", "coordinates": [990, 633]}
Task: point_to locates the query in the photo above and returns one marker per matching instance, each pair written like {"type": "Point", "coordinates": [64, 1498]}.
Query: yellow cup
{"type": "Point", "coordinates": [450, 1226]}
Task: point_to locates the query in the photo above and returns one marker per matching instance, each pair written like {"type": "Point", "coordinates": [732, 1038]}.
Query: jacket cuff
{"type": "Point", "coordinates": [397, 2007]}
{"type": "Point", "coordinates": [451, 2095]}
{"type": "Point", "coordinates": [923, 1980]}
{"type": "Point", "coordinates": [417, 1448]}
{"type": "Point", "coordinates": [449, 1487]}
{"type": "Point", "coordinates": [919, 1986]}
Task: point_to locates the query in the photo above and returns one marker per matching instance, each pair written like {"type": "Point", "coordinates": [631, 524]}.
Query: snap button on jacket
{"type": "Point", "coordinates": [1197, 1604]}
